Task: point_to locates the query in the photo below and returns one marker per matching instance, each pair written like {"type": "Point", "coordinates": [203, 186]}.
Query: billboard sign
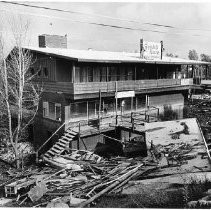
{"type": "Point", "coordinates": [125, 94]}
{"type": "Point", "coordinates": [151, 50]}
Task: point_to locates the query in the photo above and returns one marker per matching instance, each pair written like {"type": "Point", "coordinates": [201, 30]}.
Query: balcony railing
{"type": "Point", "coordinates": [93, 87]}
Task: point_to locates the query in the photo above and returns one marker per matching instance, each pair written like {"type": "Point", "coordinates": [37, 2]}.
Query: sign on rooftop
{"type": "Point", "coordinates": [151, 50]}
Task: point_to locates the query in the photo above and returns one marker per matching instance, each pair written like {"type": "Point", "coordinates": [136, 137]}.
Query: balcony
{"type": "Point", "coordinates": [136, 85]}
{"type": "Point", "coordinates": [109, 87]}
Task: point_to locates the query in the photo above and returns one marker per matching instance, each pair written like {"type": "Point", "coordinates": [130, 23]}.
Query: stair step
{"type": "Point", "coordinates": [66, 138]}
{"type": "Point", "coordinates": [57, 151]}
{"type": "Point", "coordinates": [63, 141]}
{"type": "Point", "coordinates": [47, 155]}
{"type": "Point", "coordinates": [61, 144]}
{"type": "Point", "coordinates": [52, 153]}
{"type": "Point", "coordinates": [58, 147]}
{"type": "Point", "coordinates": [69, 135]}
{"type": "Point", "coordinates": [71, 132]}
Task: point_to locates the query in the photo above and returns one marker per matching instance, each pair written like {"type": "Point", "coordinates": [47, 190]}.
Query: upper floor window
{"type": "Point", "coordinates": [90, 74]}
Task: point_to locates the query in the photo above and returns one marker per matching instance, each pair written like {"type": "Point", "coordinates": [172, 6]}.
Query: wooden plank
{"type": "Point", "coordinates": [50, 152]}
{"type": "Point", "coordinates": [66, 138]}
{"type": "Point", "coordinates": [62, 144]}
{"type": "Point", "coordinates": [69, 135]}
{"type": "Point", "coordinates": [58, 147]}
{"type": "Point", "coordinates": [64, 141]}
{"type": "Point", "coordinates": [54, 149]}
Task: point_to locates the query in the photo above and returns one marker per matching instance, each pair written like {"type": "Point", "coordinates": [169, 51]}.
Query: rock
{"type": "Point", "coordinates": [4, 201]}
{"type": "Point", "coordinates": [57, 203]}
{"type": "Point", "coordinates": [38, 191]}
{"type": "Point", "coordinates": [75, 201]}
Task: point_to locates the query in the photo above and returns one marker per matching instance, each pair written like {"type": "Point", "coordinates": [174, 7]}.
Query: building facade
{"type": "Point", "coordinates": [80, 85]}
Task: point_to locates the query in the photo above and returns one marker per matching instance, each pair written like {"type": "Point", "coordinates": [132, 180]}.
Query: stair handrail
{"type": "Point", "coordinates": [205, 143]}
{"type": "Point", "coordinates": [66, 122]}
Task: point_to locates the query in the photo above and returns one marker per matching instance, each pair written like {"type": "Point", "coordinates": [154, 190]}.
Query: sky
{"type": "Point", "coordinates": [190, 24]}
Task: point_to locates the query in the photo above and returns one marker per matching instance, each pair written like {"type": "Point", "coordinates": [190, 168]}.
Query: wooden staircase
{"type": "Point", "coordinates": [62, 144]}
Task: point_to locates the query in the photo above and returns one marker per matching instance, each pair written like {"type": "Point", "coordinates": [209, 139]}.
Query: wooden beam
{"type": "Point", "coordinates": [73, 73]}
{"type": "Point", "coordinates": [87, 109]}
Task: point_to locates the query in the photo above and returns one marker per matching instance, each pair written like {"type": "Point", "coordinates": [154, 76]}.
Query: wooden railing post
{"type": "Point", "coordinates": [79, 135]}
{"type": "Point", "coordinates": [133, 127]}
{"type": "Point", "coordinates": [131, 117]}
{"type": "Point", "coordinates": [158, 113]}
{"type": "Point", "coordinates": [116, 119]}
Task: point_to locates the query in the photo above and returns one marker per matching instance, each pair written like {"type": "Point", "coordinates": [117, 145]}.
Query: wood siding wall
{"type": "Point", "coordinates": [65, 87]}
{"type": "Point", "coordinates": [44, 62]}
{"type": "Point", "coordinates": [83, 88]}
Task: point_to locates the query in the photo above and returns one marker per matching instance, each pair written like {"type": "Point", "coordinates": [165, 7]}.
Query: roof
{"type": "Point", "coordinates": [108, 57]}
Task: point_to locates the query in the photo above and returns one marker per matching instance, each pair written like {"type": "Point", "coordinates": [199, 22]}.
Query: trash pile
{"type": "Point", "coordinates": [201, 111]}
{"type": "Point", "coordinates": [85, 177]}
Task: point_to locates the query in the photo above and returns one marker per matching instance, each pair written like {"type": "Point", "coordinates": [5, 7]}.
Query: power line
{"type": "Point", "coordinates": [87, 22]}
{"type": "Point", "coordinates": [102, 16]}
{"type": "Point", "coordinates": [83, 13]}
{"type": "Point", "coordinates": [99, 24]}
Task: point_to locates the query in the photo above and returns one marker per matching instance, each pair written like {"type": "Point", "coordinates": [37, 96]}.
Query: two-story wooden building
{"type": "Point", "coordinates": [74, 79]}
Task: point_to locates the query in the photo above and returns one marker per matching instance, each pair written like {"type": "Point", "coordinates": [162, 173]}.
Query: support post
{"type": "Point", "coordinates": [73, 73]}
{"type": "Point", "coordinates": [87, 109]}
{"type": "Point", "coordinates": [131, 104]}
{"type": "Point", "coordinates": [100, 102]}
{"type": "Point", "coordinates": [116, 100]}
{"type": "Point", "coordinates": [135, 72]}
{"type": "Point", "coordinates": [206, 72]}
{"type": "Point", "coordinates": [79, 135]}
{"type": "Point", "coordinates": [107, 74]}
{"type": "Point", "coordinates": [136, 103]}
{"type": "Point", "coordinates": [132, 121]}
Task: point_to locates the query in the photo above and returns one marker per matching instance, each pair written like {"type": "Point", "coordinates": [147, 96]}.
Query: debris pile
{"type": "Point", "coordinates": [82, 178]}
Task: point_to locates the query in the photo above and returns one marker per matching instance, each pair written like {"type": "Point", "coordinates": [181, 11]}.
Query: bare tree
{"type": "Point", "coordinates": [19, 94]}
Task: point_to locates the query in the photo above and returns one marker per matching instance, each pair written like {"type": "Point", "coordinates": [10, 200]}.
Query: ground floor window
{"type": "Point", "coordinates": [52, 110]}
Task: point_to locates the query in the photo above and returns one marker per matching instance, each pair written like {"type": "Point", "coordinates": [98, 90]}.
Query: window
{"type": "Point", "coordinates": [45, 72]}
{"type": "Point", "coordinates": [103, 74]}
{"type": "Point", "coordinates": [58, 111]}
{"type": "Point", "coordinates": [90, 74]}
{"type": "Point", "coordinates": [45, 109]}
{"type": "Point", "coordinates": [52, 110]}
